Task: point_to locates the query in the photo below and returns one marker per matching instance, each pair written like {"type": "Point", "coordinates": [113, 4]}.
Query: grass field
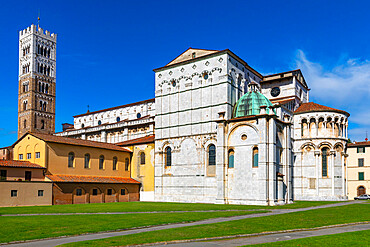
{"type": "Point", "coordinates": [307, 219]}
{"type": "Point", "coordinates": [143, 207]}
{"type": "Point", "coordinates": [36, 227]}
{"type": "Point", "coordinates": [360, 238]}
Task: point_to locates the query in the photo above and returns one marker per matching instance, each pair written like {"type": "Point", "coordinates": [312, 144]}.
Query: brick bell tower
{"type": "Point", "coordinates": [37, 72]}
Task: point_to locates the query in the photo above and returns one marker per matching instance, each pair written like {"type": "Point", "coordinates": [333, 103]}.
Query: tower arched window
{"type": "Point", "coordinates": [211, 155]}
{"type": "Point", "coordinates": [324, 162]}
{"type": "Point", "coordinates": [24, 123]}
{"type": "Point", "coordinates": [101, 162]}
{"type": "Point", "coordinates": [24, 105]}
{"type": "Point", "coordinates": [231, 159]}
{"type": "Point", "coordinates": [46, 88]}
{"type": "Point", "coordinates": [71, 158]}
{"type": "Point", "coordinates": [87, 161]}
{"type": "Point", "coordinates": [142, 158]}
{"type": "Point", "coordinates": [42, 124]}
{"type": "Point", "coordinates": [168, 156]}
{"type": "Point", "coordinates": [255, 157]}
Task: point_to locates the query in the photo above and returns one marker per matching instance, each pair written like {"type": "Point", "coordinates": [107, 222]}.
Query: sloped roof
{"type": "Point", "coordinates": [187, 55]}
{"type": "Point", "coordinates": [91, 179]}
{"type": "Point", "coordinates": [359, 144]}
{"type": "Point", "coordinates": [116, 107]}
{"type": "Point", "coordinates": [313, 107]}
{"type": "Point", "coordinates": [73, 141]}
{"type": "Point", "coordinates": [19, 164]}
{"type": "Point", "coordinates": [141, 140]}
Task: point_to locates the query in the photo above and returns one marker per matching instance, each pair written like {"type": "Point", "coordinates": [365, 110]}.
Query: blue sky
{"type": "Point", "coordinates": [107, 50]}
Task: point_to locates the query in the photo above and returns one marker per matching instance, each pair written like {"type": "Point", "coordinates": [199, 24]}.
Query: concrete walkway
{"type": "Point", "coordinates": [272, 237]}
{"type": "Point", "coordinates": [94, 236]}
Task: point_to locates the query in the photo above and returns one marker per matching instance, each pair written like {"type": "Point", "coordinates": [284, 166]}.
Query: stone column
{"type": "Point", "coordinates": [104, 136]}
{"type": "Point", "coordinates": [332, 153]}
{"type": "Point", "coordinates": [343, 174]}
{"type": "Point", "coordinates": [317, 165]}
{"type": "Point", "coordinates": [83, 136]}
{"type": "Point", "coordinates": [220, 159]}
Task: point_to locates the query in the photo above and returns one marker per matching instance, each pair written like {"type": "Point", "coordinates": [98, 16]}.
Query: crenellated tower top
{"type": "Point", "coordinates": [33, 29]}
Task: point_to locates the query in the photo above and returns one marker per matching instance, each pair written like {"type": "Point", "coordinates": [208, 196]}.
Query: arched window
{"type": "Point", "coordinates": [82, 125]}
{"type": "Point", "coordinates": [231, 159]}
{"type": "Point", "coordinates": [42, 124]}
{"type": "Point", "coordinates": [24, 105]}
{"type": "Point", "coordinates": [47, 88]}
{"type": "Point", "coordinates": [99, 122]}
{"type": "Point", "coordinates": [87, 161]}
{"type": "Point", "coordinates": [101, 162]}
{"type": "Point", "coordinates": [71, 159]}
{"type": "Point", "coordinates": [127, 164]}
{"type": "Point", "coordinates": [255, 157]}
{"type": "Point", "coordinates": [142, 158]}
{"type": "Point", "coordinates": [168, 156]}
{"type": "Point", "coordinates": [211, 155]}
{"type": "Point", "coordinates": [118, 119]}
{"type": "Point", "coordinates": [138, 115]}
{"type": "Point", "coordinates": [115, 161]}
{"type": "Point", "coordinates": [24, 123]}
{"type": "Point", "coordinates": [361, 190]}
{"type": "Point", "coordinates": [324, 164]}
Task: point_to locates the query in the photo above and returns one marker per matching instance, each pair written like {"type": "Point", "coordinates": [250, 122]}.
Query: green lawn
{"type": "Point", "coordinates": [143, 207]}
{"type": "Point", "coordinates": [307, 219]}
{"type": "Point", "coordinates": [36, 227]}
{"type": "Point", "coordinates": [360, 238]}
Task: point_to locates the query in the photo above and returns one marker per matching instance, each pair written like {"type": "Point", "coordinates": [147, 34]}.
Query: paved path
{"type": "Point", "coordinates": [151, 212]}
{"type": "Point", "coordinates": [94, 236]}
{"type": "Point", "coordinates": [272, 237]}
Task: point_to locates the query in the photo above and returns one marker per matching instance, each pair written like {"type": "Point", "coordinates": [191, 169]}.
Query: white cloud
{"type": "Point", "coordinates": [345, 86]}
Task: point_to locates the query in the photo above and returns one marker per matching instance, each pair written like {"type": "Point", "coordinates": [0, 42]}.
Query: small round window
{"type": "Point", "coordinates": [244, 137]}
{"type": "Point", "coordinates": [99, 122]}
{"type": "Point", "coordinates": [205, 76]}
{"type": "Point", "coordinates": [138, 115]}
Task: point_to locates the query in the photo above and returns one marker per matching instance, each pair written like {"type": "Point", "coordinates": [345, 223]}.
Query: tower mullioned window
{"type": "Point", "coordinates": [37, 67]}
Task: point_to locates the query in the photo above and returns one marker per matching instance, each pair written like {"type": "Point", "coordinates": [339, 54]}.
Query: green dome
{"type": "Point", "coordinates": [250, 103]}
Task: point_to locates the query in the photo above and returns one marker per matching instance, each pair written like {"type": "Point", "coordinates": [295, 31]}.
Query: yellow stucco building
{"type": "Point", "coordinates": [358, 169]}
{"type": "Point", "coordinates": [81, 171]}
{"type": "Point", "coordinates": [142, 164]}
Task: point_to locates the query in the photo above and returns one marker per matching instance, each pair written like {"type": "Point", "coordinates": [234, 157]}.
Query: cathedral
{"type": "Point", "coordinates": [217, 130]}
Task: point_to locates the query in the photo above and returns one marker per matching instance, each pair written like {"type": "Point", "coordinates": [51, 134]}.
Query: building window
{"type": "Point", "coordinates": [95, 192]}
{"type": "Point", "coordinates": [71, 158]}
{"type": "Point", "coordinates": [123, 192]}
{"type": "Point", "coordinates": [101, 162]}
{"type": "Point", "coordinates": [3, 174]}
{"type": "Point", "coordinates": [78, 192]}
{"type": "Point", "coordinates": [138, 115]}
{"type": "Point", "coordinates": [211, 155]}
{"type": "Point", "coordinates": [28, 156]}
{"type": "Point", "coordinates": [231, 159]}
{"type": "Point", "coordinates": [361, 162]}
{"type": "Point", "coordinates": [193, 55]}
{"type": "Point", "coordinates": [42, 124]}
{"type": "Point", "coordinates": [87, 161]}
{"type": "Point", "coordinates": [14, 193]}
{"type": "Point", "coordinates": [360, 149]}
{"type": "Point", "coordinates": [255, 157]}
{"type": "Point", "coordinates": [168, 156]}
{"type": "Point", "coordinates": [40, 193]}
{"type": "Point", "coordinates": [82, 125]}
{"type": "Point", "coordinates": [324, 162]}
{"type": "Point", "coordinates": [361, 190]}
{"type": "Point", "coordinates": [118, 119]}
{"type": "Point", "coordinates": [99, 122]}
{"type": "Point", "coordinates": [20, 156]}
{"type": "Point", "coordinates": [127, 163]}
{"type": "Point", "coordinates": [142, 158]}
{"type": "Point", "coordinates": [27, 175]}
{"type": "Point", "coordinates": [25, 124]}
{"type": "Point", "coordinates": [37, 155]}
{"type": "Point", "coordinates": [109, 192]}
{"type": "Point", "coordinates": [361, 176]}
{"type": "Point", "coordinates": [115, 160]}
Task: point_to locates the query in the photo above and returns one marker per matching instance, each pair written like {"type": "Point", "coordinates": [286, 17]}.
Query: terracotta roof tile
{"type": "Point", "coordinates": [358, 144]}
{"type": "Point", "coordinates": [313, 107]}
{"type": "Point", "coordinates": [77, 142]}
{"type": "Point", "coordinates": [141, 140]}
{"type": "Point", "coordinates": [19, 164]}
{"type": "Point", "coordinates": [91, 179]}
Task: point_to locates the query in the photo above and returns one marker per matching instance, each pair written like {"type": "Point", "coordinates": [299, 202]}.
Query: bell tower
{"type": "Point", "coordinates": [36, 88]}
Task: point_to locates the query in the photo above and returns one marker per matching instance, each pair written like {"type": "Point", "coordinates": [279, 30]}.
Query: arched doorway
{"type": "Point", "coordinates": [361, 190]}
